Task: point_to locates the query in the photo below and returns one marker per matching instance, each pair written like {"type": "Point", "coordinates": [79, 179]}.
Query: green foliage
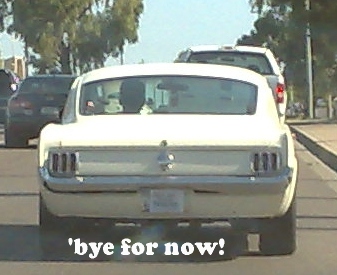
{"type": "Point", "coordinates": [281, 26]}
{"type": "Point", "coordinates": [95, 29]}
{"type": "Point", "coordinates": [5, 11]}
{"type": "Point", "coordinates": [123, 22]}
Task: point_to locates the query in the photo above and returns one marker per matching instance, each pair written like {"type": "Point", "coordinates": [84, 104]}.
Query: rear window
{"type": "Point", "coordinates": [168, 95]}
{"type": "Point", "coordinates": [53, 85]}
{"type": "Point", "coordinates": [253, 61]}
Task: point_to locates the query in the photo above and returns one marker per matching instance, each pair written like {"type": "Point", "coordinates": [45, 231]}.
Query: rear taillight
{"type": "Point", "coordinates": [280, 93]}
{"type": "Point", "coordinates": [63, 164]}
{"type": "Point", "coordinates": [20, 104]}
{"type": "Point", "coordinates": [265, 162]}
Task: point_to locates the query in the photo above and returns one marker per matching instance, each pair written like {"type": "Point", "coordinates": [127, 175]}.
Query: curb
{"type": "Point", "coordinates": [291, 122]}
{"type": "Point", "coordinates": [325, 155]}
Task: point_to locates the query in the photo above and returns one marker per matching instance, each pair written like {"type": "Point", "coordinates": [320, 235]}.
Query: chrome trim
{"type": "Point", "coordinates": [59, 163]}
{"type": "Point", "coordinates": [60, 172]}
{"type": "Point", "coordinates": [219, 184]}
{"type": "Point", "coordinates": [165, 160]}
{"type": "Point", "coordinates": [260, 155]}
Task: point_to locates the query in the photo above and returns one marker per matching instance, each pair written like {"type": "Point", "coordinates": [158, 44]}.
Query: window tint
{"type": "Point", "coordinates": [68, 114]}
{"type": "Point", "coordinates": [170, 95]}
{"type": "Point", "coordinates": [253, 61]}
{"type": "Point", "coordinates": [52, 85]}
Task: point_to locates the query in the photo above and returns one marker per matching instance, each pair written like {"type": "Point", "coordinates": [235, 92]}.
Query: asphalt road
{"type": "Point", "coordinates": [20, 251]}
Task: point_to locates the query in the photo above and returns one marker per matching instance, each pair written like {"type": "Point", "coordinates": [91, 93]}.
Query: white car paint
{"type": "Point", "coordinates": [119, 153]}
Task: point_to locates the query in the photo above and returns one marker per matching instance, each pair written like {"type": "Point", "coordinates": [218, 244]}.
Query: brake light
{"type": "Point", "coordinates": [20, 104]}
{"type": "Point", "coordinates": [280, 93]}
{"type": "Point", "coordinates": [227, 48]}
{"type": "Point", "coordinates": [63, 164]}
{"type": "Point", "coordinates": [264, 162]}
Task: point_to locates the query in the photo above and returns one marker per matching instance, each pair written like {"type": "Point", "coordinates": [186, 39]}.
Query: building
{"type": "Point", "coordinates": [15, 64]}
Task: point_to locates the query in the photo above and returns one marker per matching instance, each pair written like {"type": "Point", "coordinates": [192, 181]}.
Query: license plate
{"type": "Point", "coordinates": [166, 201]}
{"type": "Point", "coordinates": [49, 111]}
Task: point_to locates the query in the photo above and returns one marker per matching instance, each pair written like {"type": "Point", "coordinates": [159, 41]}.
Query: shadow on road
{"type": "Point", "coordinates": [25, 243]}
{"type": "Point", "coordinates": [29, 147]}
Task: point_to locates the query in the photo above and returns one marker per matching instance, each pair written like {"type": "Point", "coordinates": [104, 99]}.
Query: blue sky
{"type": "Point", "coordinates": [168, 26]}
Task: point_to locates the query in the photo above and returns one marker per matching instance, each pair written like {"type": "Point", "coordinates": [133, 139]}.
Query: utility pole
{"type": "Point", "coordinates": [309, 63]}
{"type": "Point", "coordinates": [27, 57]}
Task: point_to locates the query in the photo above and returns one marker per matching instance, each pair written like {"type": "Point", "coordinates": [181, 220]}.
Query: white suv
{"type": "Point", "coordinates": [259, 59]}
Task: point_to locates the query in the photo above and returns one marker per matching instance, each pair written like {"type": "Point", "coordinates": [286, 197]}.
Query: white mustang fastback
{"type": "Point", "coordinates": [178, 142]}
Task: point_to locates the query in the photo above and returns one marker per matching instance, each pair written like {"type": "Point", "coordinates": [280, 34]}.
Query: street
{"type": "Point", "coordinates": [20, 251]}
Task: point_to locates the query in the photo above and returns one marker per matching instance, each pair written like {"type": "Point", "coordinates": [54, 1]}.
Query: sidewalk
{"type": "Point", "coordinates": [320, 138]}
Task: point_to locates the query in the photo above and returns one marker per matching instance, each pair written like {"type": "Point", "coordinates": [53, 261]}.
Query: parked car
{"type": "Point", "coordinates": [210, 147]}
{"type": "Point", "coordinates": [37, 102]}
{"type": "Point", "coordinates": [258, 59]}
{"type": "Point", "coordinates": [8, 85]}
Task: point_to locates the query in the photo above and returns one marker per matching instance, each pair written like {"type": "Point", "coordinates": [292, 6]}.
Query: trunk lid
{"type": "Point", "coordinates": [186, 145]}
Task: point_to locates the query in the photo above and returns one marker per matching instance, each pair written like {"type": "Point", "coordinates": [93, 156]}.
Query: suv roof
{"type": "Point", "coordinates": [202, 48]}
{"type": "Point", "coordinates": [52, 76]}
{"type": "Point", "coordinates": [50, 83]}
{"type": "Point", "coordinates": [269, 62]}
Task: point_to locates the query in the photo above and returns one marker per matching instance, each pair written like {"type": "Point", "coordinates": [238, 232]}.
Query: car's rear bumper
{"type": "Point", "coordinates": [205, 197]}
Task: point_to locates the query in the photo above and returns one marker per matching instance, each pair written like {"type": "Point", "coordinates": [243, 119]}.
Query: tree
{"type": "Point", "coordinates": [43, 23]}
{"type": "Point", "coordinates": [288, 39]}
{"type": "Point", "coordinates": [83, 31]}
{"type": "Point", "coordinates": [123, 20]}
{"type": "Point", "coordinates": [5, 12]}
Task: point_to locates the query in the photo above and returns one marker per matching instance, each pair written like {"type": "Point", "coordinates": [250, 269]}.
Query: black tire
{"type": "Point", "coordinates": [278, 235]}
{"type": "Point", "coordinates": [47, 221]}
{"type": "Point", "coordinates": [50, 223]}
{"type": "Point", "coordinates": [13, 140]}
{"type": "Point", "coordinates": [49, 227]}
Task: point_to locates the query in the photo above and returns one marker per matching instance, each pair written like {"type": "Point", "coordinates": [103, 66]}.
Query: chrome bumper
{"type": "Point", "coordinates": [203, 184]}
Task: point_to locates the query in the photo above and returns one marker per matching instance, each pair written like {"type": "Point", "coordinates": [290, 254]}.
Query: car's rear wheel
{"type": "Point", "coordinates": [48, 225]}
{"type": "Point", "coordinates": [48, 222]}
{"type": "Point", "coordinates": [14, 140]}
{"type": "Point", "coordinates": [54, 232]}
{"type": "Point", "coordinates": [278, 235]}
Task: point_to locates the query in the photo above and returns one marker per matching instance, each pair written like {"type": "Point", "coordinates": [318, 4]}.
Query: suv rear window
{"type": "Point", "coordinates": [253, 61]}
{"type": "Point", "coordinates": [50, 85]}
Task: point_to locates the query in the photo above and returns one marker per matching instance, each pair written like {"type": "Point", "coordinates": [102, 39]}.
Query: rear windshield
{"type": "Point", "coordinates": [52, 85]}
{"type": "Point", "coordinates": [168, 95]}
{"type": "Point", "coordinates": [253, 61]}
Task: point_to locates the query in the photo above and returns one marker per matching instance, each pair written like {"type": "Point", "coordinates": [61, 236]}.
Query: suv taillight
{"type": "Point", "coordinates": [63, 164]}
{"type": "Point", "coordinates": [264, 162]}
{"type": "Point", "coordinates": [280, 93]}
{"type": "Point", "coordinates": [16, 103]}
